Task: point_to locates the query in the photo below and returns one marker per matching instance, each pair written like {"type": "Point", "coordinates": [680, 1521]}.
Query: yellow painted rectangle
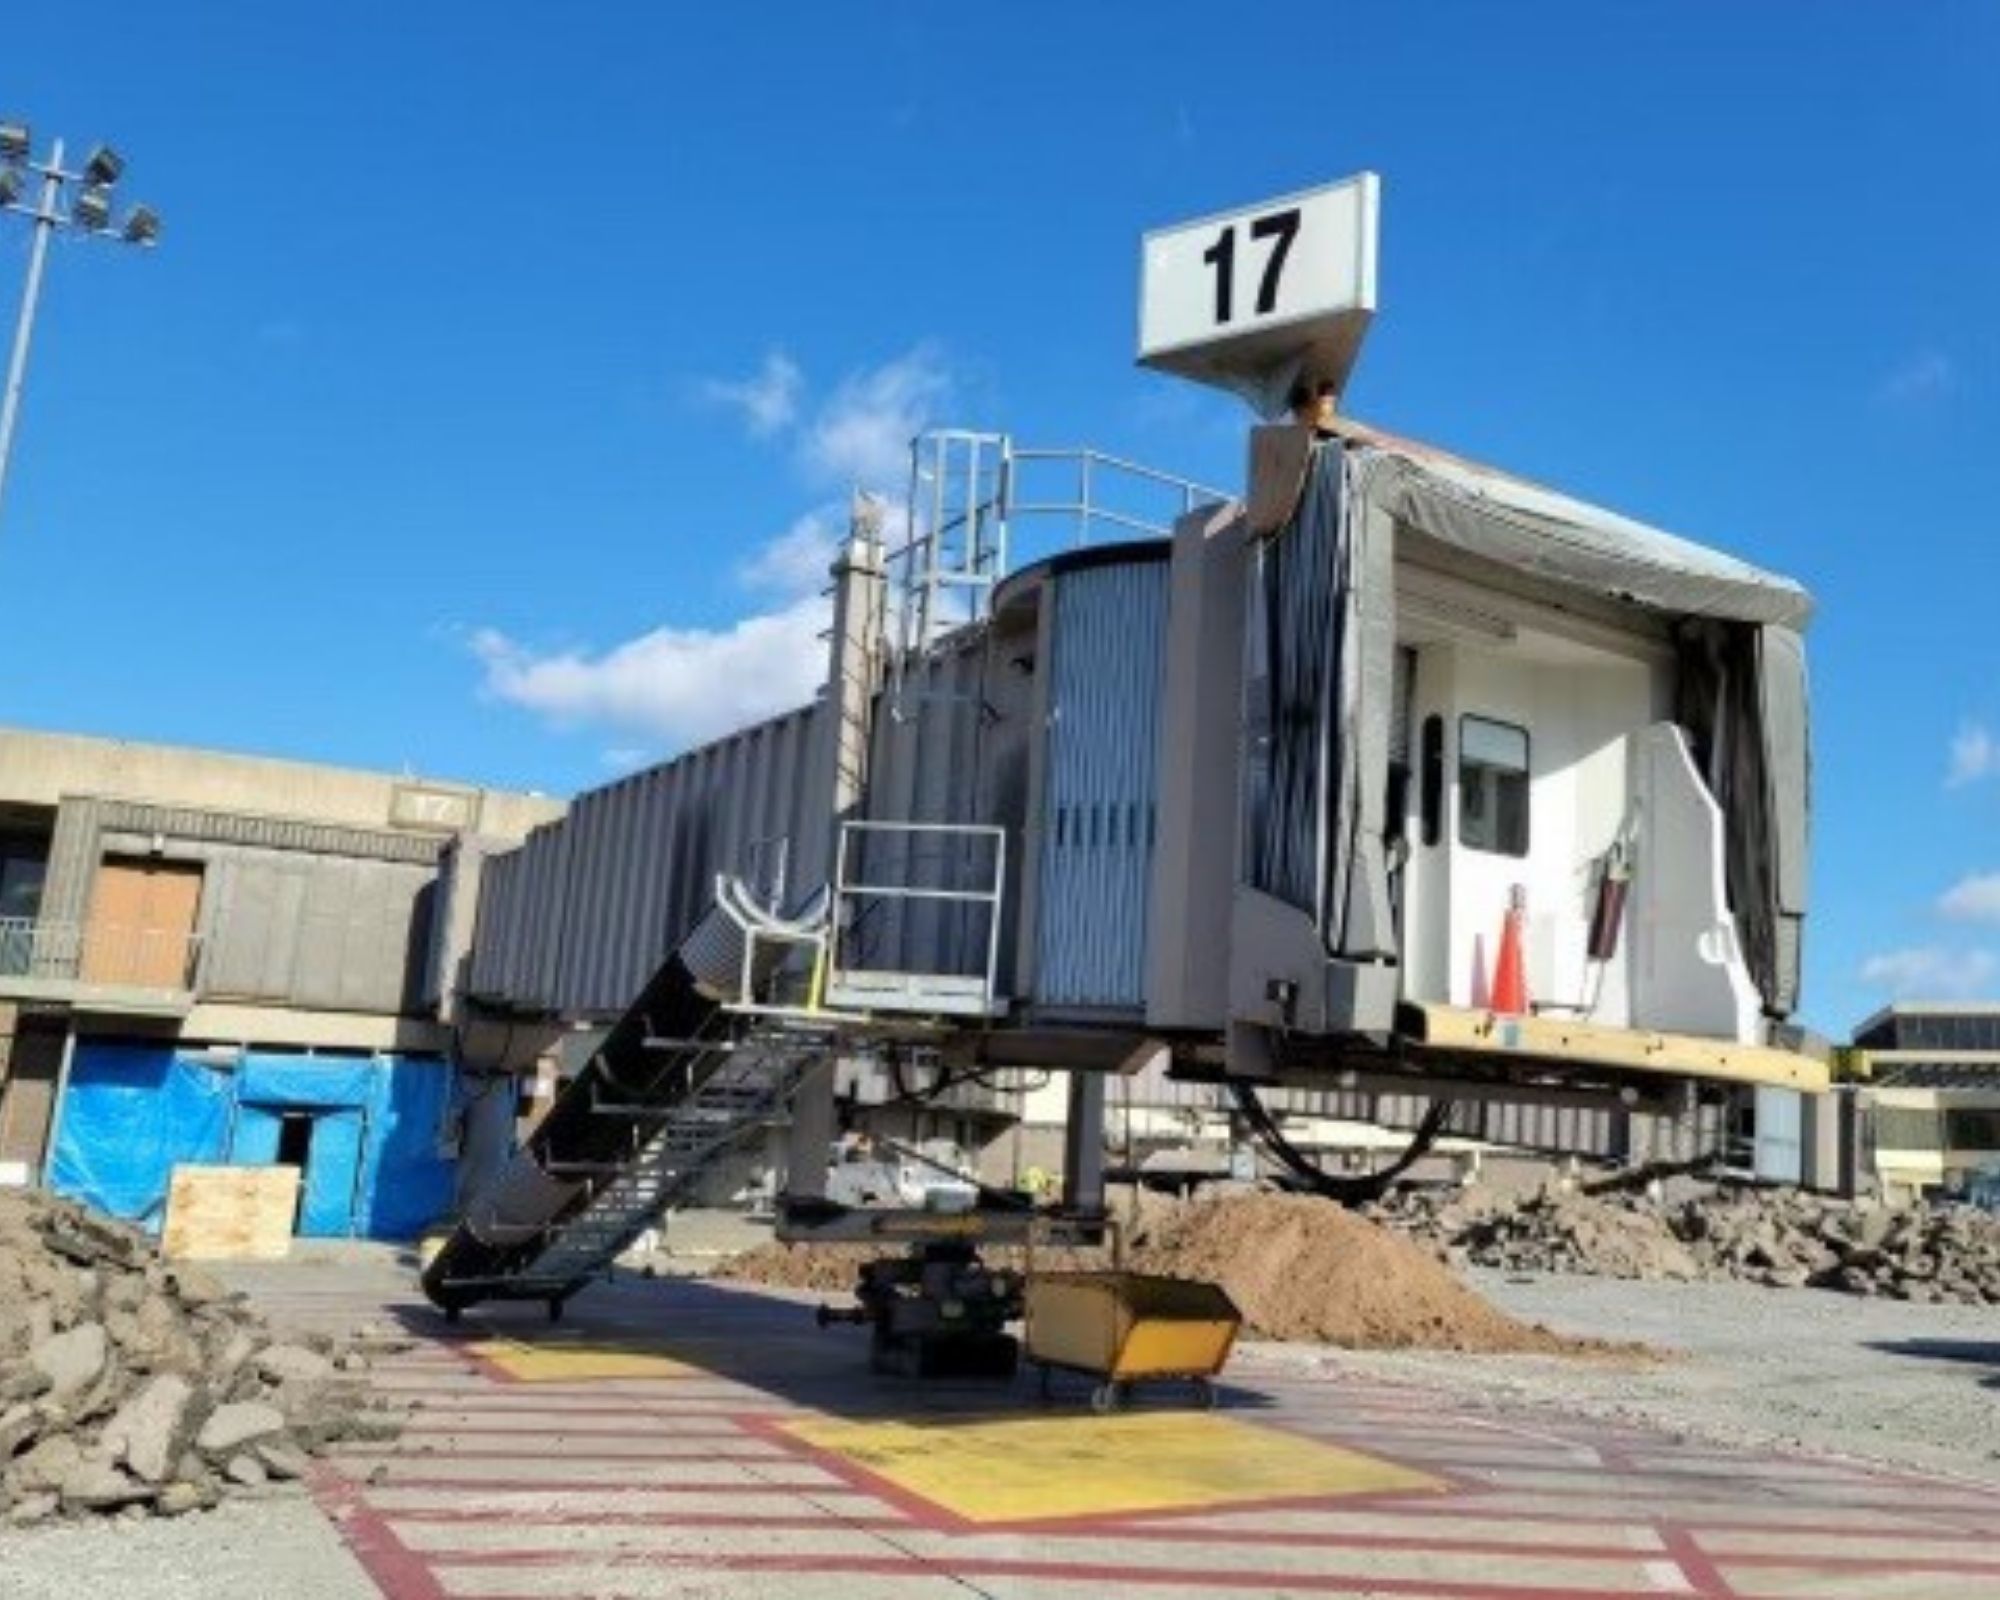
{"type": "Point", "coordinates": [567, 1362]}
{"type": "Point", "coordinates": [1025, 1468]}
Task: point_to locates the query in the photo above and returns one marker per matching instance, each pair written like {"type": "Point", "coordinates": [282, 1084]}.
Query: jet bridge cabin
{"type": "Point", "coordinates": [1421, 695]}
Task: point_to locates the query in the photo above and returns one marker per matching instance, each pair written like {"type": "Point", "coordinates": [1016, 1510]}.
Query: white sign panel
{"type": "Point", "coordinates": [1247, 296]}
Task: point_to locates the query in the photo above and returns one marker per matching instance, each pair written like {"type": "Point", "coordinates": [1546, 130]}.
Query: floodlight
{"type": "Point", "coordinates": [104, 166]}
{"type": "Point", "coordinates": [92, 208]}
{"type": "Point", "coordinates": [14, 141]}
{"type": "Point", "coordinates": [10, 185]}
{"type": "Point", "coordinates": [142, 225]}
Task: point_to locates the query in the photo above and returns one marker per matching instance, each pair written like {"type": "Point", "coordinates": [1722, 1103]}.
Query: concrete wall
{"type": "Point", "coordinates": [38, 769]}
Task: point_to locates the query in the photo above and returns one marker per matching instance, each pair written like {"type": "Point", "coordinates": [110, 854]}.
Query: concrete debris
{"type": "Point", "coordinates": [232, 1426]}
{"type": "Point", "coordinates": [291, 1363]}
{"type": "Point", "coordinates": [73, 1360]}
{"type": "Point", "coordinates": [1692, 1229]}
{"type": "Point", "coordinates": [148, 1432]}
{"type": "Point", "coordinates": [247, 1471]}
{"type": "Point", "coordinates": [135, 1387]}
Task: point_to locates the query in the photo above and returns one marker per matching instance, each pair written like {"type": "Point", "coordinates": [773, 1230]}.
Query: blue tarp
{"type": "Point", "coordinates": [131, 1113]}
{"type": "Point", "coordinates": [372, 1162]}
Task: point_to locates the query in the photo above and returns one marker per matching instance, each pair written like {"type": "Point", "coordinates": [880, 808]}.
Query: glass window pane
{"type": "Point", "coordinates": [1493, 786]}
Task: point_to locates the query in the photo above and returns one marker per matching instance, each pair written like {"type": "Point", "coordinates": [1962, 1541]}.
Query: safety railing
{"type": "Point", "coordinates": [916, 918]}
{"type": "Point", "coordinates": [979, 507]}
{"type": "Point", "coordinates": [111, 955]}
{"type": "Point", "coordinates": [1098, 496]}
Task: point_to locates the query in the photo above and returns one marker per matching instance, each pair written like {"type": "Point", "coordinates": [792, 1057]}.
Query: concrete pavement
{"type": "Point", "coordinates": [684, 1438]}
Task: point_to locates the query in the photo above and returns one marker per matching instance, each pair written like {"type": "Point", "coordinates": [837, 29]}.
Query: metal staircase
{"type": "Point", "coordinates": [680, 1080]}
{"type": "Point", "coordinates": [737, 1100]}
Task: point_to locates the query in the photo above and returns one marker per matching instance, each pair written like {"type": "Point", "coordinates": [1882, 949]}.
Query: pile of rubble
{"type": "Point", "coordinates": [133, 1385]}
{"type": "Point", "coordinates": [1780, 1237]}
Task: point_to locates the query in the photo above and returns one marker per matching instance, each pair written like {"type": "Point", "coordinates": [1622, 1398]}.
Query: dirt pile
{"type": "Point", "coordinates": [1298, 1269]}
{"type": "Point", "coordinates": [835, 1268]}
{"type": "Point", "coordinates": [128, 1384]}
{"type": "Point", "coordinates": [828, 1268]}
{"type": "Point", "coordinates": [1301, 1268]}
{"type": "Point", "coordinates": [1780, 1237]}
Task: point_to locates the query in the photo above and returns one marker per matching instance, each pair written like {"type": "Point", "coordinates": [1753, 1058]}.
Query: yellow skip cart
{"type": "Point", "coordinates": [1124, 1328]}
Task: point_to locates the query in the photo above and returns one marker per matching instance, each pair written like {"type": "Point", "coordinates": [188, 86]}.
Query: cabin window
{"type": "Point", "coordinates": [1492, 786]}
{"type": "Point", "coordinates": [1431, 780]}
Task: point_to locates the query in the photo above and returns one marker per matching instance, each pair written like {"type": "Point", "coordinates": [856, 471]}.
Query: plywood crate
{"type": "Point", "coordinates": [230, 1213]}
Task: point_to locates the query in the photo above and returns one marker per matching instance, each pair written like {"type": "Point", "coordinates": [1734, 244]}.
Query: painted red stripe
{"type": "Point", "coordinates": [1701, 1573]}
{"type": "Point", "coordinates": [1437, 1508]}
{"type": "Point", "coordinates": [566, 1454]}
{"type": "Point", "coordinates": [587, 1485]}
{"type": "Point", "coordinates": [829, 1520]}
{"type": "Point", "coordinates": [395, 1569]}
{"type": "Point", "coordinates": [1095, 1530]}
{"type": "Point", "coordinates": [1115, 1579]}
{"type": "Point", "coordinates": [430, 1426]}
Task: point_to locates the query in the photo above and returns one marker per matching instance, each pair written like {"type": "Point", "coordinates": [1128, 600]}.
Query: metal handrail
{"type": "Point", "coordinates": [110, 954]}
{"type": "Point", "coordinates": [844, 889]}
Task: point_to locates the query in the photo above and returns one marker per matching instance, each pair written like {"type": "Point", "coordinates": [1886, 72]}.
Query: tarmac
{"type": "Point", "coordinates": [678, 1437]}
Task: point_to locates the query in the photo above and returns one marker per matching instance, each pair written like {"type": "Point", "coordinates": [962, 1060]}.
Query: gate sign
{"type": "Point", "coordinates": [1256, 298]}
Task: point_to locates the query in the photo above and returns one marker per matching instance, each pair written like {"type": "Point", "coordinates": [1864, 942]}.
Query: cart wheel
{"type": "Point", "coordinates": [1107, 1397]}
{"type": "Point", "coordinates": [1205, 1394]}
{"type": "Point", "coordinates": [555, 1308]}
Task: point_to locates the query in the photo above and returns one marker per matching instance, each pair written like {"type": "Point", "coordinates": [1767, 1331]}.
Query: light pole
{"type": "Point", "coordinates": [78, 201]}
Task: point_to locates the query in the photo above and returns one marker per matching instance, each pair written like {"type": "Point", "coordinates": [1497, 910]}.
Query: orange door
{"type": "Point", "coordinates": [142, 924]}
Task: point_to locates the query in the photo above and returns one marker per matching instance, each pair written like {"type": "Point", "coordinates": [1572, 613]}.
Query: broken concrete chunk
{"type": "Point", "coordinates": [177, 1499]}
{"type": "Point", "coordinates": [34, 1508]}
{"type": "Point", "coordinates": [19, 1426]}
{"type": "Point", "coordinates": [246, 1470]}
{"type": "Point", "coordinates": [149, 1431]}
{"type": "Point", "coordinates": [46, 1465]}
{"type": "Point", "coordinates": [72, 1361]}
{"type": "Point", "coordinates": [98, 1486]}
{"type": "Point", "coordinates": [291, 1363]}
{"type": "Point", "coordinates": [240, 1423]}
{"type": "Point", "coordinates": [283, 1460]}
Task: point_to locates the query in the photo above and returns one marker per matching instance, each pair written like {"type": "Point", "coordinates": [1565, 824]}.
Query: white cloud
{"type": "Point", "coordinates": [795, 562]}
{"type": "Point", "coordinates": [1973, 899]}
{"type": "Point", "coordinates": [1926, 376]}
{"type": "Point", "coordinates": [673, 686]}
{"type": "Point", "coordinates": [768, 399]}
{"type": "Point", "coordinates": [1928, 972]}
{"type": "Point", "coordinates": [1975, 754]}
{"type": "Point", "coordinates": [862, 434]}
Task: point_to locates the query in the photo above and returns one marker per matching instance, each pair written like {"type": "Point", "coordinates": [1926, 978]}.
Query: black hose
{"type": "Point", "coordinates": [1346, 1191]}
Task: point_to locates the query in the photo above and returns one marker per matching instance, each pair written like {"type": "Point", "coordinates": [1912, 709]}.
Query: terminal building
{"type": "Point", "coordinates": [1930, 1100]}
{"type": "Point", "coordinates": [215, 958]}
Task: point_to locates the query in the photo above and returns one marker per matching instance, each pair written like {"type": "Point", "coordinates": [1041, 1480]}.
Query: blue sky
{"type": "Point", "coordinates": [496, 379]}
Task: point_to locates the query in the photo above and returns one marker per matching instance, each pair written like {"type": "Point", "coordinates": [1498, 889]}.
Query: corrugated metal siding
{"type": "Point", "coordinates": [575, 921]}
{"type": "Point", "coordinates": [1102, 762]}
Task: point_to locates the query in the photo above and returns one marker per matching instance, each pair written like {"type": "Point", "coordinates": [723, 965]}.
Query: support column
{"type": "Point", "coordinates": [1083, 1144]}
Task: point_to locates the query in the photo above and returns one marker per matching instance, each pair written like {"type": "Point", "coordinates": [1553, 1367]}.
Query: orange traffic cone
{"type": "Point", "coordinates": [1510, 973]}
